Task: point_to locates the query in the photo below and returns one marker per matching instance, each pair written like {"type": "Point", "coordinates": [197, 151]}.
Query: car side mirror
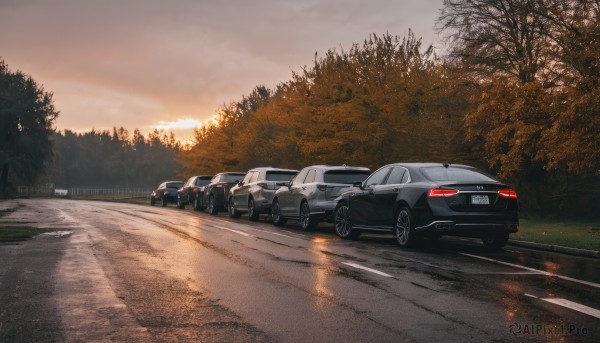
{"type": "Point", "coordinates": [358, 184]}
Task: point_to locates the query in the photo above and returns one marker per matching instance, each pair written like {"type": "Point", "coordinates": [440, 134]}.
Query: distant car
{"type": "Point", "coordinates": [165, 193]}
{"type": "Point", "coordinates": [310, 195]}
{"type": "Point", "coordinates": [254, 194]}
{"type": "Point", "coordinates": [216, 193]}
{"type": "Point", "coordinates": [191, 192]}
{"type": "Point", "coordinates": [415, 200]}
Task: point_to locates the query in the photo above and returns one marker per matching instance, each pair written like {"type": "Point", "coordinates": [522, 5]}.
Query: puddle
{"type": "Point", "coordinates": [58, 234]}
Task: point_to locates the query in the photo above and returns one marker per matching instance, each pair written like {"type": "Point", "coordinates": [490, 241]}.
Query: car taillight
{"type": "Point", "coordinates": [441, 192]}
{"type": "Point", "coordinates": [220, 185]}
{"type": "Point", "coordinates": [507, 193]}
{"type": "Point", "coordinates": [264, 185]}
{"type": "Point", "coordinates": [322, 188]}
{"type": "Point", "coordinates": [195, 190]}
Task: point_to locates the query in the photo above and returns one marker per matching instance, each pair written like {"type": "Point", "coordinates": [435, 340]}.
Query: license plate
{"type": "Point", "coordinates": [480, 200]}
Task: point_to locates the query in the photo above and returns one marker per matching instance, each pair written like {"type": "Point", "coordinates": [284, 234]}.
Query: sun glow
{"type": "Point", "coordinates": [179, 124]}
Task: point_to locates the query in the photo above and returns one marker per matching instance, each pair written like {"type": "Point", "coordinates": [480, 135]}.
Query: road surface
{"type": "Point", "coordinates": [135, 273]}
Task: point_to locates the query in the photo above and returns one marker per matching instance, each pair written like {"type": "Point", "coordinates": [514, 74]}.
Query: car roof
{"type": "Point", "coordinates": [205, 176]}
{"type": "Point", "coordinates": [427, 164]}
{"type": "Point", "coordinates": [272, 169]}
{"type": "Point", "coordinates": [240, 173]}
{"type": "Point", "coordinates": [342, 167]}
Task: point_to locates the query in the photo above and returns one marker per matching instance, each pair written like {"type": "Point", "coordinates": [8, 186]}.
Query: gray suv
{"type": "Point", "coordinates": [310, 195]}
{"type": "Point", "coordinates": [254, 194]}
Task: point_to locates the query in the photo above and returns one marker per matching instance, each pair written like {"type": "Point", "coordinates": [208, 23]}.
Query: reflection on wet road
{"type": "Point", "coordinates": [263, 283]}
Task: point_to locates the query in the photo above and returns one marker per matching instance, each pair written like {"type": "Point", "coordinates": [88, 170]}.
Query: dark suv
{"type": "Point", "coordinates": [217, 191]}
{"type": "Point", "coordinates": [310, 195]}
{"type": "Point", "coordinates": [191, 192]}
{"type": "Point", "coordinates": [254, 194]}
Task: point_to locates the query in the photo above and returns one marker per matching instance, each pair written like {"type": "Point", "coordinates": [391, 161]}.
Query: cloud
{"type": "Point", "coordinates": [136, 63]}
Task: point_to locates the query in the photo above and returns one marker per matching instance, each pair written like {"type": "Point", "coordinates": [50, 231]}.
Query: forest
{"type": "Point", "coordinates": [516, 93]}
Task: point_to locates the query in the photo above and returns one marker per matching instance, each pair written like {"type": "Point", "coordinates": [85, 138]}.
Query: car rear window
{"type": "Point", "coordinates": [174, 184]}
{"type": "Point", "coordinates": [345, 176]}
{"type": "Point", "coordinates": [202, 181]}
{"type": "Point", "coordinates": [280, 175]}
{"type": "Point", "coordinates": [232, 177]}
{"type": "Point", "coordinates": [455, 174]}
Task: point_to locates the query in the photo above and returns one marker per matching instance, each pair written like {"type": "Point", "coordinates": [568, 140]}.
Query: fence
{"type": "Point", "coordinates": [101, 193]}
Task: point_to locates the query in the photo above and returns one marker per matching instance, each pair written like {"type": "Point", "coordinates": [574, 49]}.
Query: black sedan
{"type": "Point", "coordinates": [191, 192]}
{"type": "Point", "coordinates": [416, 200]}
{"type": "Point", "coordinates": [216, 193]}
{"type": "Point", "coordinates": [165, 193]}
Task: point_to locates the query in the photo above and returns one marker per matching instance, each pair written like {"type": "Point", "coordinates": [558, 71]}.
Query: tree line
{"type": "Point", "coordinates": [113, 159]}
{"type": "Point", "coordinates": [516, 94]}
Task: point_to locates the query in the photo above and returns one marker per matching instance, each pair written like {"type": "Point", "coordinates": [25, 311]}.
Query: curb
{"type": "Point", "coordinates": [556, 248]}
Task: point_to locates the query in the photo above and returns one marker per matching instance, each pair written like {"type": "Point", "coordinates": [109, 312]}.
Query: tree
{"type": "Point", "coordinates": [503, 37]}
{"type": "Point", "coordinates": [27, 115]}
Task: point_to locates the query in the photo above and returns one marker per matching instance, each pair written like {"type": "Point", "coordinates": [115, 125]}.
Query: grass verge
{"type": "Point", "coordinates": [580, 235]}
{"type": "Point", "coordinates": [17, 233]}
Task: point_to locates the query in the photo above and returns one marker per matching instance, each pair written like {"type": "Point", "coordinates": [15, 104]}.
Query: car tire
{"type": "Point", "coordinates": [278, 220]}
{"type": "Point", "coordinates": [405, 228]}
{"type": "Point", "coordinates": [342, 223]}
{"type": "Point", "coordinates": [180, 204]}
{"type": "Point", "coordinates": [496, 241]}
{"type": "Point", "coordinates": [252, 212]}
{"type": "Point", "coordinates": [164, 201]}
{"type": "Point", "coordinates": [307, 222]}
{"type": "Point", "coordinates": [212, 207]}
{"type": "Point", "coordinates": [152, 201]}
{"type": "Point", "coordinates": [233, 212]}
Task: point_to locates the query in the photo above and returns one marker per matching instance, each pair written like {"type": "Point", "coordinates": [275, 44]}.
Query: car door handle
{"type": "Point", "coordinates": [396, 189]}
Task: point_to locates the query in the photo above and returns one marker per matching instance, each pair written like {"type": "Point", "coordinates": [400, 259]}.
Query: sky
{"type": "Point", "coordinates": [170, 64]}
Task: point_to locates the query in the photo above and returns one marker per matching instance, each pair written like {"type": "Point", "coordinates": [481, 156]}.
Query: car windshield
{"type": "Point", "coordinates": [174, 184]}
{"type": "Point", "coordinates": [280, 175]}
{"type": "Point", "coordinates": [455, 174]}
{"type": "Point", "coordinates": [345, 176]}
{"type": "Point", "coordinates": [231, 177]}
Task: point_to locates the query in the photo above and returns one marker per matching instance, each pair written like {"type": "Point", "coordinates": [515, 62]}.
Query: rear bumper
{"type": "Point", "coordinates": [449, 227]}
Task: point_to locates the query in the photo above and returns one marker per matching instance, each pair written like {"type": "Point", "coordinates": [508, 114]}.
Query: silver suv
{"type": "Point", "coordinates": [310, 195]}
{"type": "Point", "coordinates": [254, 194]}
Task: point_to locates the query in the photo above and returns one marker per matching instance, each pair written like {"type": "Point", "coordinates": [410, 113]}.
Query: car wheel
{"type": "Point", "coordinates": [164, 201]}
{"type": "Point", "coordinates": [278, 220]}
{"type": "Point", "coordinates": [343, 225]}
{"type": "Point", "coordinates": [496, 241]}
{"type": "Point", "coordinates": [212, 207]}
{"type": "Point", "coordinates": [252, 212]}
{"type": "Point", "coordinates": [404, 229]}
{"type": "Point", "coordinates": [307, 222]}
{"type": "Point", "coordinates": [233, 212]}
{"type": "Point", "coordinates": [180, 204]}
{"type": "Point", "coordinates": [152, 201]}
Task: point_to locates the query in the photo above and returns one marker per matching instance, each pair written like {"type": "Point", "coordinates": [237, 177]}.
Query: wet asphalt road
{"type": "Point", "coordinates": [135, 273]}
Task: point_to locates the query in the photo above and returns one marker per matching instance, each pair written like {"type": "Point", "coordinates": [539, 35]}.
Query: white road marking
{"type": "Point", "coordinates": [574, 306]}
{"type": "Point", "coordinates": [531, 296]}
{"type": "Point", "coordinates": [232, 230]}
{"type": "Point", "coordinates": [535, 270]}
{"type": "Point", "coordinates": [355, 265]}
{"type": "Point", "coordinates": [272, 233]}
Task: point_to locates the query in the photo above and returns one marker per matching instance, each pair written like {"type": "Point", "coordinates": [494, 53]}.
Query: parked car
{"type": "Point", "coordinates": [416, 200]}
{"type": "Point", "coordinates": [216, 193]}
{"type": "Point", "coordinates": [165, 193]}
{"type": "Point", "coordinates": [310, 195]}
{"type": "Point", "coordinates": [254, 194]}
{"type": "Point", "coordinates": [191, 192]}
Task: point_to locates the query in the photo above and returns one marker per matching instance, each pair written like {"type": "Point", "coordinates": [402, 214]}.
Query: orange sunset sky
{"type": "Point", "coordinates": [170, 64]}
